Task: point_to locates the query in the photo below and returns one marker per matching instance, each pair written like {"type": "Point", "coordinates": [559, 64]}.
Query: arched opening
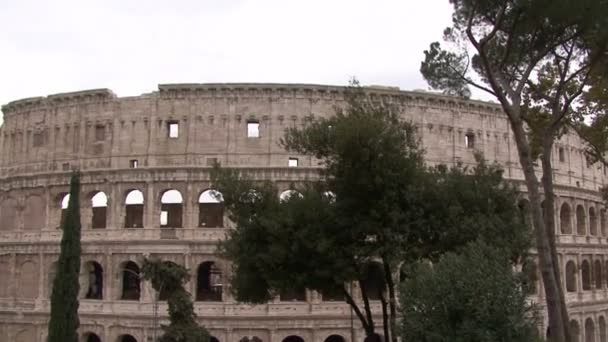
{"type": "Point", "coordinates": [93, 273]}
{"type": "Point", "coordinates": [570, 276]}
{"type": "Point", "coordinates": [564, 219]}
{"type": "Point", "coordinates": [211, 209]}
{"type": "Point", "coordinates": [592, 222]}
{"type": "Point", "coordinates": [209, 283]}
{"type": "Point", "coordinates": [530, 270]}
{"type": "Point", "coordinates": [213, 339]}
{"type": "Point", "coordinates": [597, 274]}
{"type": "Point", "coordinates": [34, 214]}
{"type": "Point", "coordinates": [589, 330]}
{"type": "Point", "coordinates": [293, 338]}
{"type": "Point", "coordinates": [171, 209]}
{"type": "Point", "coordinates": [292, 295]}
{"type": "Point", "coordinates": [575, 332]}
{"type": "Point", "coordinates": [253, 339]}
{"type": "Point", "coordinates": [602, 329]}
{"type": "Point", "coordinates": [91, 337]}
{"type": "Point", "coordinates": [335, 338]}
{"type": "Point", "coordinates": [127, 338]}
{"type": "Point", "coordinates": [7, 214]}
{"type": "Point", "coordinates": [580, 220]}
{"type": "Point", "coordinates": [586, 275]}
{"type": "Point", "coordinates": [373, 280]}
{"type": "Point", "coordinates": [130, 281]}
{"type": "Point", "coordinates": [134, 209]}
{"type": "Point", "coordinates": [287, 194]}
{"type": "Point", "coordinates": [99, 205]}
{"type": "Point", "coordinates": [64, 206]}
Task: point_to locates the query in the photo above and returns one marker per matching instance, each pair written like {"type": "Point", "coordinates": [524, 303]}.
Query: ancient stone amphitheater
{"type": "Point", "coordinates": [145, 164]}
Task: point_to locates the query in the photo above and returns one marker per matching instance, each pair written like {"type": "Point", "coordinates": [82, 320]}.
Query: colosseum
{"type": "Point", "coordinates": [145, 163]}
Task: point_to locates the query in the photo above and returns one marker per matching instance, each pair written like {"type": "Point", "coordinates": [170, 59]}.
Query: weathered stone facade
{"type": "Point", "coordinates": [146, 145]}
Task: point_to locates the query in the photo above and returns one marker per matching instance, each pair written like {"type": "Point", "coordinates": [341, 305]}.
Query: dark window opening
{"type": "Point", "coordinates": [469, 140]}
{"type": "Point", "coordinates": [133, 163]}
{"type": "Point", "coordinates": [562, 154]}
{"type": "Point", "coordinates": [127, 338]}
{"type": "Point", "coordinates": [93, 338]}
{"type": "Point", "coordinates": [209, 283]}
{"type": "Point", "coordinates": [130, 282]}
{"type": "Point", "coordinates": [95, 274]}
{"type": "Point", "coordinates": [211, 209]}
{"type": "Point", "coordinates": [586, 275]}
{"type": "Point", "coordinates": [292, 295]}
{"type": "Point", "coordinates": [570, 277]}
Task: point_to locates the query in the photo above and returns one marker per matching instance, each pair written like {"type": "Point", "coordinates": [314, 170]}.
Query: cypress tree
{"type": "Point", "coordinates": [64, 299]}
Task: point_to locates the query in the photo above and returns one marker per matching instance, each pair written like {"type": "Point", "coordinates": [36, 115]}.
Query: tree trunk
{"type": "Point", "coordinates": [392, 299]}
{"type": "Point", "coordinates": [550, 224]}
{"type": "Point", "coordinates": [385, 324]}
{"type": "Point", "coordinates": [555, 300]}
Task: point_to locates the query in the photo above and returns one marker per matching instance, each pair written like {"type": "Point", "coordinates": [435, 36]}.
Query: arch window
{"type": "Point", "coordinates": [564, 219]}
{"type": "Point", "coordinates": [575, 331]}
{"type": "Point", "coordinates": [580, 220]}
{"type": "Point", "coordinates": [570, 276]}
{"type": "Point", "coordinates": [213, 339]}
{"type": "Point", "coordinates": [335, 338]}
{"type": "Point", "coordinates": [211, 209]}
{"type": "Point", "coordinates": [130, 281]}
{"type": "Point", "coordinates": [292, 295]}
{"type": "Point", "coordinates": [592, 222]}
{"type": "Point", "coordinates": [171, 209]}
{"type": "Point", "coordinates": [91, 337]}
{"type": "Point", "coordinates": [597, 274]}
{"type": "Point", "coordinates": [293, 338]}
{"type": "Point", "coordinates": [64, 206]}
{"type": "Point", "coordinates": [374, 280]}
{"type": "Point", "coordinates": [93, 280]}
{"type": "Point", "coordinates": [589, 330]}
{"type": "Point", "coordinates": [99, 205]}
{"type": "Point", "coordinates": [209, 283]}
{"type": "Point", "coordinates": [127, 338]}
{"type": "Point", "coordinates": [134, 209]}
{"type": "Point", "coordinates": [586, 275]}
{"type": "Point", "coordinates": [252, 339]}
{"type": "Point", "coordinates": [602, 324]}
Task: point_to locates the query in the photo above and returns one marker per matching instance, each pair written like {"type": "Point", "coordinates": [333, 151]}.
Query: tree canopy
{"type": "Point", "coordinates": [471, 296]}
{"type": "Point", "coordinates": [168, 278]}
{"type": "Point", "coordinates": [376, 203]}
{"type": "Point", "coordinates": [545, 62]}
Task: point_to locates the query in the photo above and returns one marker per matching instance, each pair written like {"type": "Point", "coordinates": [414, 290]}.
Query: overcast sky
{"type": "Point", "coordinates": [131, 46]}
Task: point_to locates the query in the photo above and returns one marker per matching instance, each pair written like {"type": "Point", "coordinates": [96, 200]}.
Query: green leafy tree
{"type": "Point", "coordinates": [470, 296]}
{"type": "Point", "coordinates": [64, 322]}
{"type": "Point", "coordinates": [538, 59]}
{"type": "Point", "coordinates": [169, 278]}
{"type": "Point", "coordinates": [375, 202]}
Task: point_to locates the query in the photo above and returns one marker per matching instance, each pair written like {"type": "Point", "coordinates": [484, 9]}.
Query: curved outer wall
{"type": "Point", "coordinates": [43, 138]}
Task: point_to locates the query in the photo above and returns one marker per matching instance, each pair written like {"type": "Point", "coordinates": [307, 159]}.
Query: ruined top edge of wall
{"type": "Point", "coordinates": [81, 96]}
{"type": "Point", "coordinates": [189, 90]}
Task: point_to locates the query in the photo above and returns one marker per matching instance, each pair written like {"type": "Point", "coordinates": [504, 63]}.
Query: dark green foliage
{"type": "Point", "coordinates": [169, 278]}
{"type": "Point", "coordinates": [64, 322]}
{"type": "Point", "coordinates": [470, 297]}
{"type": "Point", "coordinates": [375, 202]}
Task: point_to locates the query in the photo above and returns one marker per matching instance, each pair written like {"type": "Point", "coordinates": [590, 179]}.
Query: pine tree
{"type": "Point", "coordinates": [64, 322]}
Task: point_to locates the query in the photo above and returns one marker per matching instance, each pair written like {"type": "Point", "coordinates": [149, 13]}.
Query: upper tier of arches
{"type": "Point", "coordinates": [197, 125]}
